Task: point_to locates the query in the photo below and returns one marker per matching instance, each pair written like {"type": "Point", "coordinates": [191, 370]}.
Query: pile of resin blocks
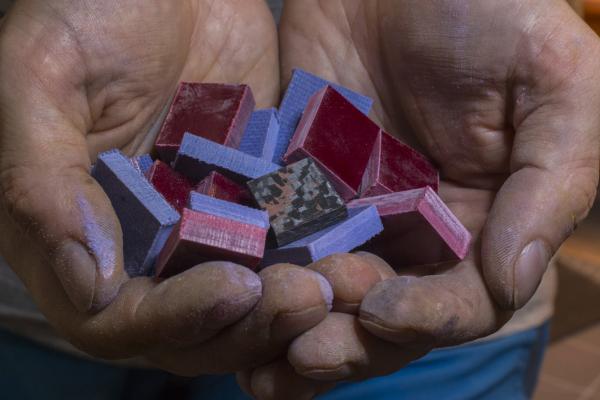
{"type": "Point", "coordinates": [257, 187]}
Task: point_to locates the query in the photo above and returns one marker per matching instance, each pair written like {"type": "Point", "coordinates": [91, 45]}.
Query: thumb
{"type": "Point", "coordinates": [554, 173]}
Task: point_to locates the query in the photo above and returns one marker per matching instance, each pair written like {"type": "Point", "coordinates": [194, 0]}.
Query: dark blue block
{"type": "Point", "coordinates": [360, 226]}
{"type": "Point", "coordinates": [260, 137]}
{"type": "Point", "coordinates": [301, 88]}
{"type": "Point", "coordinates": [142, 163]}
{"type": "Point", "coordinates": [226, 209]}
{"type": "Point", "coordinates": [197, 157]}
{"type": "Point", "coordinates": [146, 217]}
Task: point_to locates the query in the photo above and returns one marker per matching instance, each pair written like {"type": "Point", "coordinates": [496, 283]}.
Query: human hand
{"type": "Point", "coordinates": [504, 98]}
{"type": "Point", "coordinates": [78, 78]}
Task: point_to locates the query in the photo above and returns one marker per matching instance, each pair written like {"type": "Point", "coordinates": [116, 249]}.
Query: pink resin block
{"type": "Point", "coordinates": [419, 229]}
{"type": "Point", "coordinates": [338, 137]}
{"type": "Point", "coordinates": [174, 187]}
{"type": "Point", "coordinates": [215, 111]}
{"type": "Point", "coordinates": [200, 237]}
{"type": "Point", "coordinates": [395, 167]}
{"type": "Point", "coordinates": [219, 186]}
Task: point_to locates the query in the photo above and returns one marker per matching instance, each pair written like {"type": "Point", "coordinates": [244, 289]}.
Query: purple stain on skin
{"type": "Point", "coordinates": [98, 239]}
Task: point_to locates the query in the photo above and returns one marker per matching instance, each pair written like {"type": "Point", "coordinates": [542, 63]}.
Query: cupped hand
{"type": "Point", "coordinates": [503, 97]}
{"type": "Point", "coordinates": [81, 77]}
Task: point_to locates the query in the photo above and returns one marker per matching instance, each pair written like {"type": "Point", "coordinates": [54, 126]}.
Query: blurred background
{"type": "Point", "coordinates": [572, 365]}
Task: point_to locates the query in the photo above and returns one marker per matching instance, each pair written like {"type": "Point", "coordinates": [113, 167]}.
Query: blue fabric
{"type": "Point", "coordinates": [505, 368]}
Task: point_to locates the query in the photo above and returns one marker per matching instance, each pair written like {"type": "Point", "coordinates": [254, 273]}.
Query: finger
{"type": "Point", "coordinates": [384, 269]}
{"type": "Point", "coordinates": [44, 163]}
{"type": "Point", "coordinates": [279, 380]}
{"type": "Point", "coordinates": [554, 163]}
{"type": "Point", "coordinates": [351, 277]}
{"type": "Point", "coordinates": [340, 348]}
{"type": "Point", "coordinates": [294, 299]}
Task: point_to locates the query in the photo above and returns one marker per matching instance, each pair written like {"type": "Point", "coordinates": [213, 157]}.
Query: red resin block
{"type": "Point", "coordinates": [200, 237]}
{"type": "Point", "coordinates": [217, 112]}
{"type": "Point", "coordinates": [395, 167]}
{"type": "Point", "coordinates": [419, 229]}
{"type": "Point", "coordinates": [219, 186]}
{"type": "Point", "coordinates": [174, 187]}
{"type": "Point", "coordinates": [338, 137]}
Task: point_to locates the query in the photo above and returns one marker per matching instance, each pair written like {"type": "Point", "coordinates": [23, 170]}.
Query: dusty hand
{"type": "Point", "coordinates": [504, 98]}
{"type": "Point", "coordinates": [77, 78]}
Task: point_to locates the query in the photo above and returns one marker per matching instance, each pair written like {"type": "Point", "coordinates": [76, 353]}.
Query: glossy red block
{"type": "Point", "coordinates": [338, 137]}
{"type": "Point", "coordinates": [396, 167]}
{"type": "Point", "coordinates": [217, 112]}
{"type": "Point", "coordinates": [174, 187]}
{"type": "Point", "coordinates": [419, 229]}
{"type": "Point", "coordinates": [200, 237]}
{"type": "Point", "coordinates": [219, 186]}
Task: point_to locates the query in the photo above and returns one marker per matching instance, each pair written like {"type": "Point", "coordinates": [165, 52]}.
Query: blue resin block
{"type": "Point", "coordinates": [361, 225]}
{"type": "Point", "coordinates": [197, 157]}
{"type": "Point", "coordinates": [301, 88]}
{"type": "Point", "coordinates": [260, 137]}
{"type": "Point", "coordinates": [142, 163]}
{"type": "Point", "coordinates": [146, 217]}
{"type": "Point", "coordinates": [226, 209]}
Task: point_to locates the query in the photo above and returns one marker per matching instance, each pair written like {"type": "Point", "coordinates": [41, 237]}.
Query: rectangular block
{"type": "Point", "coordinates": [200, 237]}
{"type": "Point", "coordinates": [301, 88]}
{"type": "Point", "coordinates": [222, 208]}
{"type": "Point", "coordinates": [338, 137]}
{"type": "Point", "coordinates": [219, 186]}
{"type": "Point", "coordinates": [396, 167]}
{"type": "Point", "coordinates": [260, 137]}
{"type": "Point", "coordinates": [197, 157]}
{"type": "Point", "coordinates": [299, 199]}
{"type": "Point", "coordinates": [419, 229]}
{"type": "Point", "coordinates": [215, 111]}
{"type": "Point", "coordinates": [142, 163]}
{"type": "Point", "coordinates": [362, 225]}
{"type": "Point", "coordinates": [146, 217]}
{"type": "Point", "coordinates": [174, 187]}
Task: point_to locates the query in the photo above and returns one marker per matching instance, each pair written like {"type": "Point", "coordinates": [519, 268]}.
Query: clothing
{"type": "Point", "coordinates": [500, 369]}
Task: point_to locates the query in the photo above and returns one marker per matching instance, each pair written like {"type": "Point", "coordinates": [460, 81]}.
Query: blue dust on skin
{"type": "Point", "coordinates": [98, 239]}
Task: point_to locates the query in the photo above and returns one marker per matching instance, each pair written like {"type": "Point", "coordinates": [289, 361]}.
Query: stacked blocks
{"type": "Point", "coordinates": [219, 186]}
{"type": "Point", "coordinates": [299, 199]}
{"type": "Point", "coordinates": [338, 137]}
{"type": "Point", "coordinates": [197, 157]}
{"type": "Point", "coordinates": [217, 191]}
{"type": "Point", "coordinates": [260, 137]}
{"type": "Point", "coordinates": [419, 229]}
{"type": "Point", "coordinates": [301, 88]}
{"type": "Point", "coordinates": [174, 187]}
{"type": "Point", "coordinates": [362, 224]}
{"type": "Point", "coordinates": [217, 112]}
{"type": "Point", "coordinates": [146, 217]}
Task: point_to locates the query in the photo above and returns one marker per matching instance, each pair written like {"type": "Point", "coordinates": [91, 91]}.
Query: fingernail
{"type": "Point", "coordinates": [529, 270]}
{"type": "Point", "coordinates": [326, 290]}
{"type": "Point", "coordinates": [76, 270]}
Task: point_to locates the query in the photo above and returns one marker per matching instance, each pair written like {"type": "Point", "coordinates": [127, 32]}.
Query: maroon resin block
{"type": "Point", "coordinates": [217, 112]}
{"type": "Point", "coordinates": [396, 167]}
{"type": "Point", "coordinates": [173, 186]}
{"type": "Point", "coordinates": [200, 237]}
{"type": "Point", "coordinates": [338, 137]}
{"type": "Point", "coordinates": [419, 229]}
{"type": "Point", "coordinates": [219, 186]}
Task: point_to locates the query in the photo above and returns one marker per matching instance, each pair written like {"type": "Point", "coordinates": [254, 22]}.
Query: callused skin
{"type": "Point", "coordinates": [504, 98]}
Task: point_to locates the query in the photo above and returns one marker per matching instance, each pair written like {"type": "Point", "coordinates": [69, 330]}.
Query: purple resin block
{"type": "Point", "coordinates": [361, 225]}
{"type": "Point", "coordinates": [142, 163]}
{"type": "Point", "coordinates": [226, 209]}
{"type": "Point", "coordinates": [260, 137]}
{"type": "Point", "coordinates": [301, 88]}
{"type": "Point", "coordinates": [146, 217]}
{"type": "Point", "coordinates": [419, 229]}
{"type": "Point", "coordinates": [197, 157]}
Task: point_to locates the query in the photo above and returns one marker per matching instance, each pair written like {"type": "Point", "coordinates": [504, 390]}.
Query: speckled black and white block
{"type": "Point", "coordinates": [299, 199]}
